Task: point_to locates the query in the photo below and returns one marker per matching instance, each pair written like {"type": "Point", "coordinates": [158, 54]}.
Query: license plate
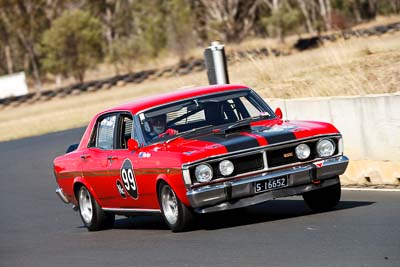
{"type": "Point", "coordinates": [271, 184]}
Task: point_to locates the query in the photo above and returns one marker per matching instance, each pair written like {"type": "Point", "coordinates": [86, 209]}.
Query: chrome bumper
{"type": "Point", "coordinates": [241, 192]}
{"type": "Point", "coordinates": [60, 193]}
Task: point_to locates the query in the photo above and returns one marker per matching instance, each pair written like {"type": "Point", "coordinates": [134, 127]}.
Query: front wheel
{"type": "Point", "coordinates": [93, 217]}
{"type": "Point", "coordinates": [177, 216]}
{"type": "Point", "coordinates": [323, 199]}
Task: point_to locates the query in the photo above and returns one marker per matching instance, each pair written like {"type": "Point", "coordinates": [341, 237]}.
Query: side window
{"type": "Point", "coordinates": [105, 132]}
{"type": "Point", "coordinates": [125, 131]}
{"type": "Point", "coordinates": [251, 109]}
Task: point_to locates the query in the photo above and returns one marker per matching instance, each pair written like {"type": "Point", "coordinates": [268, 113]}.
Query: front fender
{"type": "Point", "coordinates": [175, 181]}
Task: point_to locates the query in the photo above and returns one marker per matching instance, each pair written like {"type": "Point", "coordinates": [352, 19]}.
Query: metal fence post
{"type": "Point", "coordinates": [215, 59]}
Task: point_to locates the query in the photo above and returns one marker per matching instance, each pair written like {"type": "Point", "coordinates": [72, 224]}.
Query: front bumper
{"type": "Point", "coordinates": [241, 192]}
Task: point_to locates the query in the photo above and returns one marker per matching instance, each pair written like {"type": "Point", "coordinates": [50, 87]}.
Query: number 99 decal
{"type": "Point", "coordinates": [128, 179]}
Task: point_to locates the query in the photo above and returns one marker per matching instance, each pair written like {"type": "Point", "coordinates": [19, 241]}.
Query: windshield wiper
{"type": "Point", "coordinates": [240, 122]}
{"type": "Point", "coordinates": [244, 122]}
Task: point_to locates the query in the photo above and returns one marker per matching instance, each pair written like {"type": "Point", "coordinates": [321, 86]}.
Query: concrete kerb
{"type": "Point", "coordinates": [370, 126]}
{"type": "Point", "coordinates": [381, 188]}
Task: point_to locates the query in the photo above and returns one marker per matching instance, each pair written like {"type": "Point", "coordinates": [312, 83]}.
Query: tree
{"type": "Point", "coordinates": [356, 10]}
{"type": "Point", "coordinates": [305, 9]}
{"type": "Point", "coordinates": [149, 26]}
{"type": "Point", "coordinates": [372, 8]}
{"type": "Point", "coordinates": [326, 13]}
{"type": "Point", "coordinates": [231, 20]}
{"type": "Point", "coordinates": [180, 27]}
{"type": "Point", "coordinates": [199, 18]}
{"type": "Point", "coordinates": [126, 51]}
{"type": "Point", "coordinates": [283, 17]}
{"type": "Point", "coordinates": [133, 31]}
{"type": "Point", "coordinates": [73, 44]}
{"type": "Point", "coordinates": [5, 51]}
{"type": "Point", "coordinates": [22, 23]}
{"type": "Point", "coordinates": [140, 31]}
{"type": "Point", "coordinates": [115, 17]}
{"type": "Point", "coordinates": [26, 20]}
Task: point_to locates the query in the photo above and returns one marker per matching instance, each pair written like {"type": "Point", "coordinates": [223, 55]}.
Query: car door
{"type": "Point", "coordinates": [129, 189]}
{"type": "Point", "coordinates": [95, 158]}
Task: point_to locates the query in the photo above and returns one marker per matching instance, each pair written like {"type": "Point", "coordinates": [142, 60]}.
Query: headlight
{"type": "Point", "coordinates": [303, 151]}
{"type": "Point", "coordinates": [203, 173]}
{"type": "Point", "coordinates": [226, 167]}
{"type": "Point", "coordinates": [325, 148]}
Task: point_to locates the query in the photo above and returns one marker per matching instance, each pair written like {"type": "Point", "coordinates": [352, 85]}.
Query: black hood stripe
{"type": "Point", "coordinates": [236, 142]}
{"type": "Point", "coordinates": [232, 142]}
{"type": "Point", "coordinates": [275, 136]}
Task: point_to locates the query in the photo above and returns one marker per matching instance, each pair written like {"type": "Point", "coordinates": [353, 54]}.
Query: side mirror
{"type": "Point", "coordinates": [132, 144]}
{"type": "Point", "coordinates": [278, 113]}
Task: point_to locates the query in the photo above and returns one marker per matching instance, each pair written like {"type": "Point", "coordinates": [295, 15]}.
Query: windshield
{"type": "Point", "coordinates": [171, 120]}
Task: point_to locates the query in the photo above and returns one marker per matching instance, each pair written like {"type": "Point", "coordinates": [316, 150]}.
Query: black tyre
{"type": "Point", "coordinates": [323, 199]}
{"type": "Point", "coordinates": [177, 216]}
{"type": "Point", "coordinates": [93, 217]}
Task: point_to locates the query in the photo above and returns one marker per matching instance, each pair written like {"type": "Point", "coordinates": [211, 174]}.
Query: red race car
{"type": "Point", "coordinates": [199, 150]}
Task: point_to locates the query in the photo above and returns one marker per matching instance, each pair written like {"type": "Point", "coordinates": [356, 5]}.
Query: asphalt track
{"type": "Point", "coordinates": [37, 229]}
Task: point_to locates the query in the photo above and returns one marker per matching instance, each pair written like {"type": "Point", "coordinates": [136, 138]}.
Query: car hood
{"type": "Point", "coordinates": [261, 133]}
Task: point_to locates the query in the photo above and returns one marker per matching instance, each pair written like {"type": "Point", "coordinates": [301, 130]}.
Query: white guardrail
{"type": "Point", "coordinates": [370, 126]}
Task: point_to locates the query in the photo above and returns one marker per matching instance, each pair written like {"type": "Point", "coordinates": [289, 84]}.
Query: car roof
{"type": "Point", "coordinates": [145, 103]}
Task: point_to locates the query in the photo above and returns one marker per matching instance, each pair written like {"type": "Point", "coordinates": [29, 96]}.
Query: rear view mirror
{"type": "Point", "coordinates": [278, 113]}
{"type": "Point", "coordinates": [132, 144]}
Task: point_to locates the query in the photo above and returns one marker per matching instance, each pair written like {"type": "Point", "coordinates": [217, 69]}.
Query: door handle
{"type": "Point", "coordinates": [111, 158]}
{"type": "Point", "coordinates": [85, 156]}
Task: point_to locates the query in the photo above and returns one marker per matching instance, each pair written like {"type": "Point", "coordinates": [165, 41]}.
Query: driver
{"type": "Point", "coordinates": [156, 127]}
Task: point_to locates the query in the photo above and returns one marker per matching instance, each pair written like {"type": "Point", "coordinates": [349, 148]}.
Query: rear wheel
{"type": "Point", "coordinates": [177, 216]}
{"type": "Point", "coordinates": [93, 217]}
{"type": "Point", "coordinates": [323, 199]}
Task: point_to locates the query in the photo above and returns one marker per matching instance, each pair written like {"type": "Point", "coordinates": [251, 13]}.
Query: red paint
{"type": "Point", "coordinates": [153, 101]}
{"type": "Point", "coordinates": [261, 140]}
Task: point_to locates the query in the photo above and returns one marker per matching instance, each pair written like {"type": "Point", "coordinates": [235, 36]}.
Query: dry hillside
{"type": "Point", "coordinates": [357, 66]}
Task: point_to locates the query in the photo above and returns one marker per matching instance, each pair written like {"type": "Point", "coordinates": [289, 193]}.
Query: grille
{"type": "Point", "coordinates": [287, 155]}
{"type": "Point", "coordinates": [248, 163]}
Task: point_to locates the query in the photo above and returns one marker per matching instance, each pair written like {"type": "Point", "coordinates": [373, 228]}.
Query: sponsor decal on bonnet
{"type": "Point", "coordinates": [144, 155]}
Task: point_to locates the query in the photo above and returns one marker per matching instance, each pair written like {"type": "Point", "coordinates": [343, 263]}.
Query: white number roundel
{"type": "Point", "coordinates": [128, 179]}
